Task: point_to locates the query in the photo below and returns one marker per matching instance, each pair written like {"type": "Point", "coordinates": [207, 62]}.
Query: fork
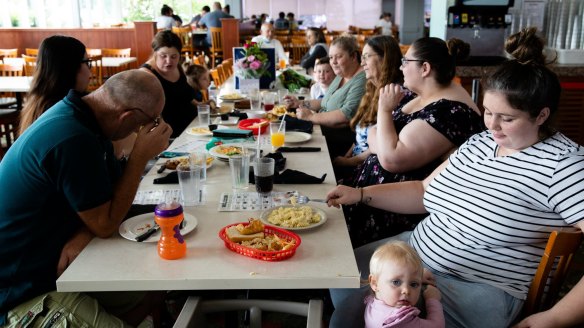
{"type": "Point", "coordinates": [304, 200]}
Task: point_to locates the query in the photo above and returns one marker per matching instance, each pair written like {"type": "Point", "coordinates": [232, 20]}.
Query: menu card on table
{"type": "Point", "coordinates": [252, 201]}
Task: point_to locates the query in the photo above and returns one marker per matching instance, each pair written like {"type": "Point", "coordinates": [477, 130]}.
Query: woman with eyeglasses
{"type": "Point", "coordinates": [61, 66]}
{"type": "Point", "coordinates": [340, 102]}
{"type": "Point", "coordinates": [418, 124]}
{"type": "Point", "coordinates": [179, 108]}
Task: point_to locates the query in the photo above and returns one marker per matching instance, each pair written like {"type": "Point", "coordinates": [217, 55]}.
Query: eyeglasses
{"type": "Point", "coordinates": [156, 119]}
{"type": "Point", "coordinates": [404, 60]}
{"type": "Point", "coordinates": [364, 57]}
{"type": "Point", "coordinates": [86, 62]}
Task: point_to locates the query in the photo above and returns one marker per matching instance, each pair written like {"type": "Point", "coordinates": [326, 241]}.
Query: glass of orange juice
{"type": "Point", "coordinates": [277, 134]}
{"type": "Point", "coordinates": [282, 63]}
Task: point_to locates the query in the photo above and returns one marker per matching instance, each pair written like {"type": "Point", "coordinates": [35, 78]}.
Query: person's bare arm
{"type": "Point", "coordinates": [333, 119]}
{"type": "Point", "coordinates": [417, 144]}
{"type": "Point", "coordinates": [352, 160]}
{"type": "Point", "coordinates": [566, 313]}
{"type": "Point", "coordinates": [72, 248]}
{"type": "Point", "coordinates": [401, 197]}
{"type": "Point", "coordinates": [104, 220]}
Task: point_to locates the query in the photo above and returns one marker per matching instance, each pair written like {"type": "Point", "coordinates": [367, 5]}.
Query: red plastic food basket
{"type": "Point", "coordinates": [257, 253]}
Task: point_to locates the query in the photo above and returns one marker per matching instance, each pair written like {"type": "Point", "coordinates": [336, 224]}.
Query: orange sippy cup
{"type": "Point", "coordinates": [171, 245]}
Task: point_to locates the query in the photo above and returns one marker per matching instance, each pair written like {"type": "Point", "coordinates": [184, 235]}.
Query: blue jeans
{"type": "Point", "coordinates": [465, 303]}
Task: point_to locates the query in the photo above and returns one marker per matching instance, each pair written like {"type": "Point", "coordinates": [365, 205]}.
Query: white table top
{"type": "Point", "coordinates": [117, 61]}
{"type": "Point", "coordinates": [15, 83]}
{"type": "Point", "coordinates": [324, 259]}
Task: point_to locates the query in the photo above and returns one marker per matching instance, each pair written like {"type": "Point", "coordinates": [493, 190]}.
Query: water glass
{"type": "Point", "coordinates": [191, 186]}
{"type": "Point", "coordinates": [239, 166]}
{"type": "Point", "coordinates": [277, 134]}
{"type": "Point", "coordinates": [263, 171]}
{"type": "Point", "coordinates": [281, 94]}
{"type": "Point", "coordinates": [269, 100]}
{"type": "Point", "coordinates": [199, 158]}
{"type": "Point", "coordinates": [204, 114]}
{"type": "Point", "coordinates": [255, 99]}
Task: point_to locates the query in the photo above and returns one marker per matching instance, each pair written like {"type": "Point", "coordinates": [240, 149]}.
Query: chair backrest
{"type": "Point", "coordinates": [200, 60]}
{"type": "Point", "coordinates": [12, 53]}
{"type": "Point", "coordinates": [216, 42]}
{"type": "Point", "coordinates": [192, 313]}
{"type": "Point", "coordinates": [298, 47]}
{"type": "Point", "coordinates": [8, 129]}
{"type": "Point", "coordinates": [223, 75]}
{"type": "Point", "coordinates": [31, 52]}
{"type": "Point", "coordinates": [93, 52]}
{"type": "Point", "coordinates": [112, 52]}
{"type": "Point", "coordinates": [228, 66]}
{"type": "Point", "coordinates": [561, 246]}
{"type": "Point", "coordinates": [215, 76]}
{"type": "Point", "coordinates": [404, 48]}
{"type": "Point", "coordinates": [96, 78]}
{"type": "Point", "coordinates": [10, 70]}
{"type": "Point", "coordinates": [30, 63]}
{"type": "Point", "coordinates": [186, 37]}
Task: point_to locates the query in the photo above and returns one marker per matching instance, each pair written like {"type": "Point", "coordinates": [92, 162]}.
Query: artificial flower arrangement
{"type": "Point", "coordinates": [254, 64]}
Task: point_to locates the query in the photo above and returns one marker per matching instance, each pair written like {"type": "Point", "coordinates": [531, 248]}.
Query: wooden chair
{"type": "Point", "coordinates": [93, 52]}
{"type": "Point", "coordinates": [222, 73]}
{"type": "Point", "coordinates": [560, 249]}
{"type": "Point", "coordinates": [8, 99]}
{"type": "Point", "coordinates": [31, 52]}
{"type": "Point", "coordinates": [404, 48]}
{"type": "Point", "coordinates": [184, 33]}
{"type": "Point", "coordinates": [9, 120]}
{"type": "Point", "coordinates": [96, 78]}
{"type": "Point", "coordinates": [192, 313]}
{"type": "Point", "coordinates": [10, 53]}
{"type": "Point", "coordinates": [30, 63]}
{"type": "Point", "coordinates": [200, 60]}
{"type": "Point", "coordinates": [228, 66]}
{"type": "Point", "coordinates": [298, 47]}
{"type": "Point", "coordinates": [216, 49]}
{"type": "Point", "coordinates": [114, 52]}
{"type": "Point", "coordinates": [215, 77]}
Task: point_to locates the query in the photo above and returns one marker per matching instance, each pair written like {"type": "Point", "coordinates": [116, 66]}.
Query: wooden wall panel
{"type": "Point", "coordinates": [138, 38]}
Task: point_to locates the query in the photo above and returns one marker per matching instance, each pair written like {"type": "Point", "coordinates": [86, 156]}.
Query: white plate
{"type": "Point", "coordinates": [214, 151]}
{"type": "Point", "coordinates": [137, 225]}
{"type": "Point", "coordinates": [232, 99]}
{"type": "Point", "coordinates": [192, 132]}
{"type": "Point", "coordinates": [231, 120]}
{"type": "Point", "coordinates": [296, 137]}
{"type": "Point", "coordinates": [265, 214]}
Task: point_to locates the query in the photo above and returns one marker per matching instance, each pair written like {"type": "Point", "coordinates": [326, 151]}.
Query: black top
{"type": "Point", "coordinates": [178, 110]}
{"type": "Point", "coordinates": [307, 61]}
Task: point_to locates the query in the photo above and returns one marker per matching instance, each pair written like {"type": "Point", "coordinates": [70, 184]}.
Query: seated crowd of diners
{"type": "Point", "coordinates": [437, 191]}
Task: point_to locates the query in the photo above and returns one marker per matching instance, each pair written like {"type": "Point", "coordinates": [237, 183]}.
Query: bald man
{"type": "Point", "coordinates": [60, 185]}
{"type": "Point", "coordinates": [266, 40]}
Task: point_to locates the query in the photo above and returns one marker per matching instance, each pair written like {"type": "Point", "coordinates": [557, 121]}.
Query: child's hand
{"type": "Point", "coordinates": [428, 278]}
{"type": "Point", "coordinates": [432, 292]}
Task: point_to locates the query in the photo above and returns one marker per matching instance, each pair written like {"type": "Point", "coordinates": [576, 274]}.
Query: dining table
{"type": "Point", "coordinates": [16, 84]}
{"type": "Point", "coordinates": [324, 258]}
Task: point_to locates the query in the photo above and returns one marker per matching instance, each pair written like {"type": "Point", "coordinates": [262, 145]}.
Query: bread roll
{"type": "Point", "coordinates": [235, 236]}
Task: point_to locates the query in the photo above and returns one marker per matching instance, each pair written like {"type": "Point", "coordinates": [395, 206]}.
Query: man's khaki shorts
{"type": "Point", "coordinates": [74, 310]}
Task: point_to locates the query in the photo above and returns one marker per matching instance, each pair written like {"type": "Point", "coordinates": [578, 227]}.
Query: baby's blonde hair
{"type": "Point", "coordinates": [395, 251]}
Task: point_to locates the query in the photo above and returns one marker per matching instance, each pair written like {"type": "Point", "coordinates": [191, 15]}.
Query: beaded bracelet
{"type": "Point", "coordinates": [367, 199]}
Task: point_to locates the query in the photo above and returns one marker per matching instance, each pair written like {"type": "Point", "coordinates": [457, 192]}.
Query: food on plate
{"type": "Point", "coordinates": [243, 104]}
{"type": "Point", "coordinates": [273, 117]}
{"type": "Point", "coordinates": [252, 235]}
{"type": "Point", "coordinates": [231, 96]}
{"type": "Point", "coordinates": [258, 125]}
{"type": "Point", "coordinates": [279, 110]}
{"type": "Point", "coordinates": [293, 200]}
{"type": "Point", "coordinates": [254, 226]}
{"type": "Point", "coordinates": [294, 217]}
{"type": "Point", "coordinates": [172, 164]}
{"type": "Point", "coordinates": [229, 150]}
{"type": "Point", "coordinates": [200, 130]}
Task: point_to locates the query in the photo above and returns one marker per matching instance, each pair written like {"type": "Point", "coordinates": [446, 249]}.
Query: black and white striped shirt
{"type": "Point", "coordinates": [490, 217]}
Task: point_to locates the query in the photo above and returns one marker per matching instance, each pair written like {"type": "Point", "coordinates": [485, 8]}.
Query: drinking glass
{"type": "Point", "coordinates": [191, 186]}
{"type": "Point", "coordinates": [204, 115]}
{"type": "Point", "coordinates": [277, 134]}
{"type": "Point", "coordinates": [263, 171]}
{"type": "Point", "coordinates": [269, 100]}
{"type": "Point", "coordinates": [281, 94]}
{"type": "Point", "coordinates": [239, 166]}
{"type": "Point", "coordinates": [282, 63]}
{"type": "Point", "coordinates": [199, 158]}
{"type": "Point", "coordinates": [255, 99]}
